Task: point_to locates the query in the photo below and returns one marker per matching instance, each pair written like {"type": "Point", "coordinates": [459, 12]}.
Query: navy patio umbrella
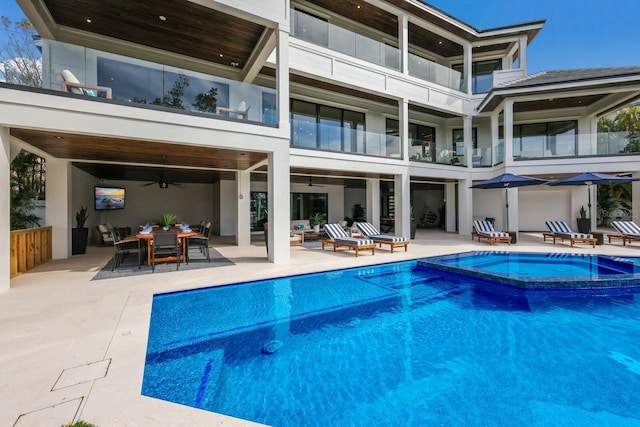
{"type": "Point", "coordinates": [506, 181]}
{"type": "Point", "coordinates": [591, 178]}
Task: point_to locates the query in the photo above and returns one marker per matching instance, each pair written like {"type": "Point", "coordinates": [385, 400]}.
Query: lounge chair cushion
{"type": "Point", "coordinates": [627, 228]}
{"type": "Point", "coordinates": [561, 228]}
{"type": "Point", "coordinates": [368, 230]}
{"type": "Point", "coordinates": [485, 228]}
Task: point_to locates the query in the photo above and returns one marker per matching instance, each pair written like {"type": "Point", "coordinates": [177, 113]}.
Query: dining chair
{"type": "Point", "coordinates": [165, 245]}
{"type": "Point", "coordinates": [123, 247]}
{"type": "Point", "coordinates": [201, 241]}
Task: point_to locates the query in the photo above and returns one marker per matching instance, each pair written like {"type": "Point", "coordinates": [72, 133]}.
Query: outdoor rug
{"type": "Point", "coordinates": [129, 266]}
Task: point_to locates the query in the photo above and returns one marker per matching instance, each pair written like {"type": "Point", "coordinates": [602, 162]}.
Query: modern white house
{"type": "Point", "coordinates": [274, 110]}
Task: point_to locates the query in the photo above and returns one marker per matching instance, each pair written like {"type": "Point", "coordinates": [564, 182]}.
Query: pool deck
{"type": "Point", "coordinates": [73, 348]}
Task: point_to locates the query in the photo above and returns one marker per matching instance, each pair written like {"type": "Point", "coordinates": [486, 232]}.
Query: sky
{"type": "Point", "coordinates": [577, 34]}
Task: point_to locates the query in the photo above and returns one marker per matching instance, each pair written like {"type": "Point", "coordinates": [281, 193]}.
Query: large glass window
{"type": "Point", "coordinates": [327, 128]}
{"type": "Point", "coordinates": [305, 205]}
{"type": "Point", "coordinates": [481, 74]}
{"type": "Point", "coordinates": [269, 108]}
{"type": "Point", "coordinates": [422, 140]}
{"type": "Point", "coordinates": [458, 140]}
{"type": "Point", "coordinates": [258, 210]}
{"type": "Point", "coordinates": [542, 140]}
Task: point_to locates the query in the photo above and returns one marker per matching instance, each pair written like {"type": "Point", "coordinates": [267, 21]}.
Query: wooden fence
{"type": "Point", "coordinates": [30, 248]}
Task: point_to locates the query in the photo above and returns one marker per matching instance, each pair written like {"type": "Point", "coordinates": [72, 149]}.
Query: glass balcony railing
{"type": "Point", "coordinates": [609, 143]}
{"type": "Point", "coordinates": [319, 31]}
{"type": "Point", "coordinates": [96, 73]}
{"type": "Point", "coordinates": [308, 134]}
{"type": "Point", "coordinates": [499, 152]}
{"type": "Point", "coordinates": [599, 144]}
{"type": "Point", "coordinates": [433, 72]}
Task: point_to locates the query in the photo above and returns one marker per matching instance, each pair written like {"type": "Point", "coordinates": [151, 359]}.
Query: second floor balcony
{"type": "Point", "coordinates": [97, 74]}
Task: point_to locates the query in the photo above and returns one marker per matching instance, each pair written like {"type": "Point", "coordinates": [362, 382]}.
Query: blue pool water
{"type": "Point", "coordinates": [543, 270]}
{"type": "Point", "coordinates": [397, 345]}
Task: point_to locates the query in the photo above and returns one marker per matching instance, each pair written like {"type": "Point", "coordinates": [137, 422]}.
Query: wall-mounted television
{"type": "Point", "coordinates": [108, 198]}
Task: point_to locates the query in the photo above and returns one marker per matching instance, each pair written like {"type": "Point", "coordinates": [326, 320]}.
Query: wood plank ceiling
{"type": "Point", "coordinates": [187, 29]}
{"type": "Point", "coordinates": [184, 163]}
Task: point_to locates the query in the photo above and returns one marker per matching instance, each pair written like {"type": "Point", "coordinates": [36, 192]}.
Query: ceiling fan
{"type": "Point", "coordinates": [162, 183]}
{"type": "Point", "coordinates": [311, 184]}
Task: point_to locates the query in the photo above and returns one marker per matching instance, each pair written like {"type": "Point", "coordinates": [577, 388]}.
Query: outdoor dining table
{"type": "Point", "coordinates": [182, 235]}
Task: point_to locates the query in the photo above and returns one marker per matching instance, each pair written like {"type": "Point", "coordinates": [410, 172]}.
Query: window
{"type": "Point", "coordinates": [258, 210]}
{"type": "Point", "coordinates": [327, 128]}
{"type": "Point", "coordinates": [269, 108]}
{"type": "Point", "coordinates": [542, 140]}
{"type": "Point", "coordinates": [458, 140]}
{"type": "Point", "coordinates": [481, 74]}
{"type": "Point", "coordinates": [422, 140]}
{"type": "Point", "coordinates": [305, 205]}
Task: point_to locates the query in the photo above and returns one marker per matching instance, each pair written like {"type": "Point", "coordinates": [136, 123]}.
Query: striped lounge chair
{"type": "Point", "coordinates": [484, 230]}
{"type": "Point", "coordinates": [339, 238]}
{"type": "Point", "coordinates": [370, 232]}
{"type": "Point", "coordinates": [628, 229]}
{"type": "Point", "coordinates": [560, 230]}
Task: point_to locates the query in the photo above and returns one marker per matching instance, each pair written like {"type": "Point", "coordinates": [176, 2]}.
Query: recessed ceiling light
{"type": "Point", "coordinates": [439, 41]}
{"type": "Point", "coordinates": [358, 6]}
{"type": "Point", "coordinates": [162, 18]}
{"type": "Point", "coordinates": [88, 20]}
{"type": "Point", "coordinates": [221, 55]}
{"type": "Point", "coordinates": [58, 137]}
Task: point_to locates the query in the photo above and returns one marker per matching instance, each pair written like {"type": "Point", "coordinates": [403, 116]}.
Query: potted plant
{"type": "Point", "coordinates": [80, 234]}
{"type": "Point", "coordinates": [584, 223]}
{"type": "Point", "coordinates": [167, 220]}
{"type": "Point", "coordinates": [315, 221]}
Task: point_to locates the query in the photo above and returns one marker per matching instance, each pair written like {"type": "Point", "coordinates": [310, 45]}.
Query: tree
{"type": "Point", "coordinates": [173, 99]}
{"type": "Point", "coordinates": [27, 185]}
{"type": "Point", "coordinates": [21, 60]}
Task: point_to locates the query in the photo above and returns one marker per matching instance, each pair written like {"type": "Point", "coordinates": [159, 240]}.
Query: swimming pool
{"type": "Point", "coordinates": [396, 345]}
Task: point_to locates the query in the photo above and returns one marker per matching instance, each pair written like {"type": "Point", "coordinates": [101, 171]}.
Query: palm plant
{"type": "Point", "coordinates": [166, 219]}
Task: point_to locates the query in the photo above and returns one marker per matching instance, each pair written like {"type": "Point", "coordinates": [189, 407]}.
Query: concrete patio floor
{"type": "Point", "coordinates": [73, 348]}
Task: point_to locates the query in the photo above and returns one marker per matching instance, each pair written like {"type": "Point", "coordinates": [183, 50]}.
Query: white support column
{"type": "Point", "coordinates": [402, 193]}
{"type": "Point", "coordinates": [5, 224]}
{"type": "Point", "coordinates": [495, 136]}
{"type": "Point", "coordinates": [403, 42]}
{"type": "Point", "coordinates": [404, 128]}
{"type": "Point", "coordinates": [243, 221]}
{"type": "Point", "coordinates": [635, 199]}
{"type": "Point", "coordinates": [450, 203]}
{"type": "Point", "coordinates": [279, 209]}
{"type": "Point", "coordinates": [467, 126]}
{"type": "Point", "coordinates": [282, 79]}
{"type": "Point", "coordinates": [373, 202]}
{"type": "Point", "coordinates": [468, 62]}
{"type": "Point", "coordinates": [58, 210]}
{"type": "Point", "coordinates": [508, 133]}
{"type": "Point", "coordinates": [523, 54]}
{"type": "Point", "coordinates": [465, 207]}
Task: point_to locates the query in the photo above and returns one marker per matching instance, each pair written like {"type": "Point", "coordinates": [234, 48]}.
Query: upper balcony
{"type": "Point", "coordinates": [313, 29]}
{"type": "Point", "coordinates": [98, 74]}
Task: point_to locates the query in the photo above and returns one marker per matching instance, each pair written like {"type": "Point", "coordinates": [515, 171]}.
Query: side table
{"type": "Point", "coordinates": [599, 235]}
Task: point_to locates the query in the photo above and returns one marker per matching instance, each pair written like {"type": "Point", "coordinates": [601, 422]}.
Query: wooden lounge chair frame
{"type": "Point", "coordinates": [363, 228]}
{"type": "Point", "coordinates": [567, 236]}
{"type": "Point", "coordinates": [626, 238]}
{"type": "Point", "coordinates": [356, 248]}
{"type": "Point", "coordinates": [489, 236]}
{"type": "Point", "coordinates": [337, 230]}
